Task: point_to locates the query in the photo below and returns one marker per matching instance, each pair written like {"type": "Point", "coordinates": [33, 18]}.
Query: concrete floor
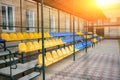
{"type": "Point", "coordinates": [99, 63]}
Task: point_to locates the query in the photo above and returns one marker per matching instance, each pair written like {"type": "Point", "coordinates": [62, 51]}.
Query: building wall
{"type": "Point", "coordinates": [48, 11]}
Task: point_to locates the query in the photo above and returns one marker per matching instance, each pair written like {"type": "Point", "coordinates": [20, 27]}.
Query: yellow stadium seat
{"type": "Point", "coordinates": [64, 52]}
{"type": "Point", "coordinates": [60, 54]}
{"type": "Point", "coordinates": [5, 36]}
{"type": "Point", "coordinates": [40, 35]}
{"type": "Point", "coordinates": [55, 56]}
{"type": "Point", "coordinates": [46, 44]}
{"type": "Point", "coordinates": [36, 35]}
{"type": "Point", "coordinates": [13, 37]}
{"type": "Point", "coordinates": [71, 48]}
{"type": "Point", "coordinates": [40, 43]}
{"type": "Point", "coordinates": [101, 37]}
{"type": "Point", "coordinates": [54, 42]}
{"type": "Point", "coordinates": [51, 43]}
{"type": "Point", "coordinates": [25, 35]}
{"type": "Point", "coordinates": [79, 33]}
{"type": "Point", "coordinates": [20, 36]}
{"type": "Point", "coordinates": [36, 45]}
{"type": "Point", "coordinates": [94, 40]}
{"type": "Point", "coordinates": [30, 47]}
{"type": "Point", "coordinates": [86, 37]}
{"type": "Point", "coordinates": [31, 36]}
{"type": "Point", "coordinates": [48, 35]}
{"type": "Point", "coordinates": [45, 35]}
{"type": "Point", "coordinates": [68, 51]}
{"type": "Point", "coordinates": [90, 32]}
{"type": "Point", "coordinates": [49, 57]}
{"type": "Point", "coordinates": [95, 35]}
{"type": "Point", "coordinates": [47, 63]}
{"type": "Point", "coordinates": [22, 47]}
{"type": "Point", "coordinates": [60, 41]}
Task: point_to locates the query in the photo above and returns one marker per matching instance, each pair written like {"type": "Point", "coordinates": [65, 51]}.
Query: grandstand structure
{"type": "Point", "coordinates": [35, 34]}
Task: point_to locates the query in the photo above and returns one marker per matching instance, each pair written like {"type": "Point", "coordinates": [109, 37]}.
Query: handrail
{"type": "Point", "coordinates": [10, 56]}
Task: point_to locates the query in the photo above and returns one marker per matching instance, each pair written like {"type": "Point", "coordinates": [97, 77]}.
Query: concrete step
{"type": "Point", "coordinates": [30, 76]}
{"type": "Point", "coordinates": [8, 60]}
{"type": "Point", "coordinates": [20, 68]}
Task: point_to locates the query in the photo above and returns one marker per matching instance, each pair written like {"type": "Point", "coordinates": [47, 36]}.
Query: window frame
{"type": "Point", "coordinates": [13, 11]}
{"type": "Point", "coordinates": [33, 29]}
{"type": "Point", "coordinates": [52, 23]}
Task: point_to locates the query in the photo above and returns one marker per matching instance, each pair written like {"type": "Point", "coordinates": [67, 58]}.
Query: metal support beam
{"type": "Point", "coordinates": [38, 17]}
{"type": "Point", "coordinates": [86, 37]}
{"type": "Point", "coordinates": [43, 50]}
{"type": "Point", "coordinates": [21, 15]}
{"type": "Point", "coordinates": [73, 38]}
{"type": "Point", "coordinates": [58, 20]}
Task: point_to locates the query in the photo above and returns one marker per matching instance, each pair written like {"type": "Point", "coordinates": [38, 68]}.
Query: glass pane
{"type": "Point", "coordinates": [52, 23]}
{"type": "Point", "coordinates": [4, 20]}
{"type": "Point", "coordinates": [27, 20]}
{"type": "Point", "coordinates": [10, 18]}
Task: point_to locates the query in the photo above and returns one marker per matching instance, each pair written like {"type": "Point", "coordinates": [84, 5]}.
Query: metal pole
{"type": "Point", "coordinates": [58, 20]}
{"type": "Point", "coordinates": [43, 50]}
{"type": "Point", "coordinates": [38, 16]}
{"type": "Point", "coordinates": [21, 14]}
{"type": "Point", "coordinates": [73, 32]}
{"type": "Point", "coordinates": [73, 38]}
{"type": "Point", "coordinates": [86, 38]}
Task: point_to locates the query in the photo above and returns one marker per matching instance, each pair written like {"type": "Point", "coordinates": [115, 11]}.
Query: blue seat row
{"type": "Point", "coordinates": [58, 34]}
{"type": "Point", "coordinates": [91, 36]}
{"type": "Point", "coordinates": [70, 39]}
{"type": "Point", "coordinates": [82, 45]}
{"type": "Point", "coordinates": [98, 38]}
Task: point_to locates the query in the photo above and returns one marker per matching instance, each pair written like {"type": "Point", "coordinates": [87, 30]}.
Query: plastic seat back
{"type": "Point", "coordinates": [40, 35]}
{"type": "Point", "coordinates": [31, 36]}
{"type": "Point", "coordinates": [5, 37]}
{"type": "Point", "coordinates": [59, 52]}
{"type": "Point", "coordinates": [36, 35]}
{"type": "Point", "coordinates": [67, 50]}
{"type": "Point", "coordinates": [13, 36]}
{"type": "Point", "coordinates": [49, 56]}
{"type": "Point", "coordinates": [36, 45]}
{"type": "Point", "coordinates": [20, 36]}
{"type": "Point", "coordinates": [63, 51]}
{"type": "Point", "coordinates": [22, 47]}
{"type": "Point", "coordinates": [54, 54]}
{"type": "Point", "coordinates": [30, 46]}
{"type": "Point", "coordinates": [25, 35]}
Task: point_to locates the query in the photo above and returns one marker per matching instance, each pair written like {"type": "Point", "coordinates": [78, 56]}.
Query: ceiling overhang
{"type": "Point", "coordinates": [86, 9]}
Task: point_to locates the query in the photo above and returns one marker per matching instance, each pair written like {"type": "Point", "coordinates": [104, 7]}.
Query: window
{"type": "Point", "coordinates": [30, 21]}
{"type": "Point", "coordinates": [75, 26]}
{"type": "Point", "coordinates": [52, 23]}
{"type": "Point", "coordinates": [67, 25]}
{"type": "Point", "coordinates": [81, 25]}
{"type": "Point", "coordinates": [7, 18]}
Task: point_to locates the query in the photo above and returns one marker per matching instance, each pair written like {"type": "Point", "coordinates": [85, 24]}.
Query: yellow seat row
{"type": "Point", "coordinates": [94, 40]}
{"type": "Point", "coordinates": [23, 36]}
{"type": "Point", "coordinates": [79, 33]}
{"type": "Point", "coordinates": [32, 46]}
{"type": "Point", "coordinates": [54, 56]}
{"type": "Point", "coordinates": [86, 36]}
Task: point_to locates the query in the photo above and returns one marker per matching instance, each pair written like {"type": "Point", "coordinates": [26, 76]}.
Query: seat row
{"type": "Point", "coordinates": [70, 39]}
{"type": "Point", "coordinates": [32, 46]}
{"type": "Point", "coordinates": [23, 36]}
{"type": "Point", "coordinates": [83, 45]}
{"type": "Point", "coordinates": [55, 55]}
{"type": "Point", "coordinates": [59, 34]}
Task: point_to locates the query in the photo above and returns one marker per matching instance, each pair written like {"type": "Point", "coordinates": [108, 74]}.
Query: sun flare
{"type": "Point", "coordinates": [105, 2]}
